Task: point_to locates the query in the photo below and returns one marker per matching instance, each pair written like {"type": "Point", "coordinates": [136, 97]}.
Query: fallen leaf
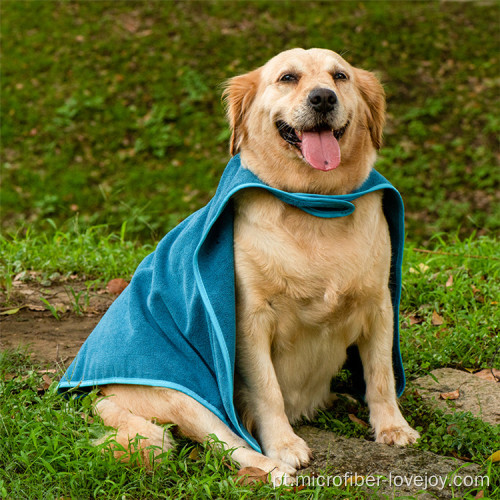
{"type": "Point", "coordinates": [437, 319]}
{"type": "Point", "coordinates": [357, 420]}
{"type": "Point", "coordinates": [480, 494]}
{"type": "Point", "coordinates": [354, 480]}
{"type": "Point", "coordinates": [195, 453]}
{"type": "Point", "coordinates": [416, 319]}
{"type": "Point", "coordinates": [19, 277]}
{"type": "Point", "coordinates": [10, 311]}
{"type": "Point", "coordinates": [495, 457]}
{"type": "Point", "coordinates": [36, 307]}
{"type": "Point", "coordinates": [461, 457]}
{"type": "Point", "coordinates": [452, 429]}
{"type": "Point", "coordinates": [46, 381]}
{"type": "Point", "coordinates": [251, 475]}
{"type": "Point", "coordinates": [450, 281]}
{"type": "Point", "coordinates": [450, 395]}
{"type": "Point", "coordinates": [491, 374]}
{"type": "Point", "coordinates": [116, 286]}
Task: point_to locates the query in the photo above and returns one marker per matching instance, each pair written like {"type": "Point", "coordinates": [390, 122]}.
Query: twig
{"type": "Point", "coordinates": [423, 250]}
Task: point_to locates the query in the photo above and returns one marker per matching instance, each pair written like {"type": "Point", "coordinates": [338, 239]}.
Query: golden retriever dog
{"type": "Point", "coordinates": [307, 287]}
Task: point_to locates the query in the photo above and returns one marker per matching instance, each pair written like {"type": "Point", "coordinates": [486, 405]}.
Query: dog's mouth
{"type": "Point", "coordinates": [319, 146]}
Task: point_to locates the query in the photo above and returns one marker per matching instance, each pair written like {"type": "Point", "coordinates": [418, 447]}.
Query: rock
{"type": "Point", "coordinates": [407, 471]}
{"type": "Point", "coordinates": [480, 397]}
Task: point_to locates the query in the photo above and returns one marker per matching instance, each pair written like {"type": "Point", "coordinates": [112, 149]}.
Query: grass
{"type": "Point", "coordinates": [116, 105]}
{"type": "Point", "coordinates": [112, 132]}
{"type": "Point", "coordinates": [46, 448]}
{"type": "Point", "coordinates": [48, 452]}
{"type": "Point", "coordinates": [460, 281]}
{"type": "Point", "coordinates": [91, 253]}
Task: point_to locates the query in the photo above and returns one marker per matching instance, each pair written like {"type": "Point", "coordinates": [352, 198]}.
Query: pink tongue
{"type": "Point", "coordinates": [321, 150]}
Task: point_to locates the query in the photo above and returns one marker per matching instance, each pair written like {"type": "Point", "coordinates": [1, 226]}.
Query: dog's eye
{"type": "Point", "coordinates": [289, 77]}
{"type": "Point", "coordinates": [339, 76]}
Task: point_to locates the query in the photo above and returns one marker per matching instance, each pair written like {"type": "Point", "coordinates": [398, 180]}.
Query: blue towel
{"type": "Point", "coordinates": [174, 324]}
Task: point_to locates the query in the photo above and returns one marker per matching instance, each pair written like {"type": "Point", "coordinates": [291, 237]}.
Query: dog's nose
{"type": "Point", "coordinates": [322, 100]}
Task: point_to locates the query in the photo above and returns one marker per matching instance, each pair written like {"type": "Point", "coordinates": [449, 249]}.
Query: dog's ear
{"type": "Point", "coordinates": [239, 92]}
{"type": "Point", "coordinates": [373, 94]}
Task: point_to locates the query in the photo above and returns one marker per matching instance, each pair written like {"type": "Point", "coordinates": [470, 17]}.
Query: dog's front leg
{"type": "Point", "coordinates": [375, 348]}
{"type": "Point", "coordinates": [263, 399]}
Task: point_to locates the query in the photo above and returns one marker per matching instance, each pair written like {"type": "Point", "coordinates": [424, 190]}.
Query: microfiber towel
{"type": "Point", "coordinates": [174, 324]}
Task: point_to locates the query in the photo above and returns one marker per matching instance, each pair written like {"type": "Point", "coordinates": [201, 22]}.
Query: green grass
{"type": "Point", "coordinates": [46, 448]}
{"type": "Point", "coordinates": [48, 451]}
{"type": "Point", "coordinates": [112, 109]}
{"type": "Point", "coordinates": [468, 337]}
{"type": "Point", "coordinates": [113, 131]}
{"type": "Point", "coordinates": [469, 307]}
{"type": "Point", "coordinates": [91, 253]}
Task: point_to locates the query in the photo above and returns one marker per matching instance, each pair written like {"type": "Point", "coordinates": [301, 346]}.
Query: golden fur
{"type": "Point", "coordinates": [306, 287]}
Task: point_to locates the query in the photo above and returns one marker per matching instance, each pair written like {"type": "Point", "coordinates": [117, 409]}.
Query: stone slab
{"type": "Point", "coordinates": [478, 396]}
{"type": "Point", "coordinates": [408, 471]}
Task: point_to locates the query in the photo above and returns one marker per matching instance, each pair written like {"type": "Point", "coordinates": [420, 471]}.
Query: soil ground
{"type": "Point", "coordinates": [26, 320]}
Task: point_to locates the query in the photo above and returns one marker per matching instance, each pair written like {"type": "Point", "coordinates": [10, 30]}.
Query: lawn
{"type": "Point", "coordinates": [112, 113]}
{"type": "Point", "coordinates": [113, 131]}
{"type": "Point", "coordinates": [47, 448]}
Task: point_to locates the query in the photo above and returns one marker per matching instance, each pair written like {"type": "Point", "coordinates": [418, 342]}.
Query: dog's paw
{"type": "Point", "coordinates": [399, 436]}
{"type": "Point", "coordinates": [291, 450]}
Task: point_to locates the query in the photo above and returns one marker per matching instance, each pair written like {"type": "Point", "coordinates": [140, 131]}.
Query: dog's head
{"type": "Point", "coordinates": [307, 121]}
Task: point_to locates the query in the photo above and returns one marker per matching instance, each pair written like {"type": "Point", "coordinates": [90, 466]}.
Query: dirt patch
{"type": "Point", "coordinates": [52, 318]}
{"type": "Point", "coordinates": [393, 471]}
{"type": "Point", "coordinates": [49, 340]}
